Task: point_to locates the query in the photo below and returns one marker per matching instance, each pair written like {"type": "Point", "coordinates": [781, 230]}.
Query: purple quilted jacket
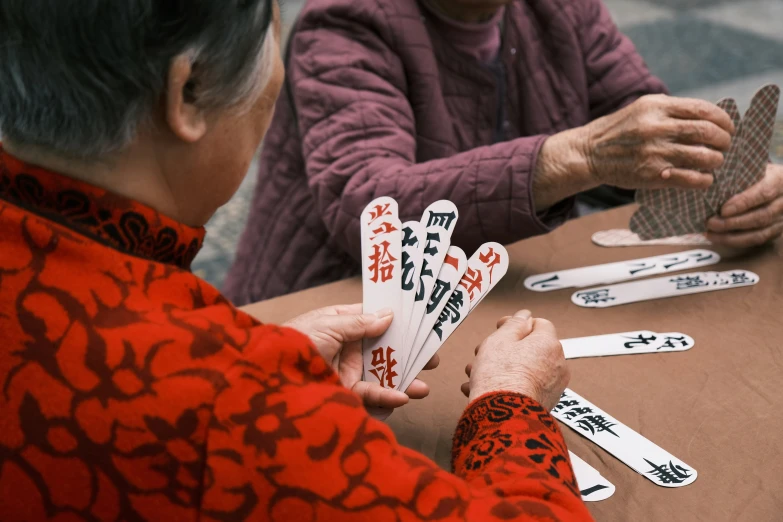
{"type": "Point", "coordinates": [378, 104]}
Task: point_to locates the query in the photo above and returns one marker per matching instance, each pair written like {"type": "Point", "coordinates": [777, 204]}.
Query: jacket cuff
{"type": "Point", "coordinates": [505, 425]}
{"type": "Point", "coordinates": [556, 215]}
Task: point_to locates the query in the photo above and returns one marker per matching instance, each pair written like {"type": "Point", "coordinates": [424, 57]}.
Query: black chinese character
{"type": "Point", "coordinates": [674, 261]}
{"type": "Point", "coordinates": [642, 268]}
{"type": "Point", "coordinates": [671, 474]}
{"type": "Point", "coordinates": [407, 272]}
{"type": "Point", "coordinates": [438, 293]}
{"type": "Point", "coordinates": [639, 340]}
{"type": "Point", "coordinates": [425, 271]}
{"type": "Point", "coordinates": [576, 412]}
{"type": "Point", "coordinates": [701, 256]}
{"type": "Point", "coordinates": [738, 278]}
{"type": "Point", "coordinates": [409, 239]}
{"type": "Point", "coordinates": [596, 296]}
{"type": "Point", "coordinates": [563, 404]}
{"type": "Point", "coordinates": [449, 313]}
{"type": "Point", "coordinates": [596, 424]}
{"type": "Point", "coordinates": [684, 282]}
{"type": "Point", "coordinates": [432, 249]}
{"type": "Point", "coordinates": [671, 342]}
{"type": "Point", "coordinates": [442, 220]}
{"type": "Point", "coordinates": [545, 283]}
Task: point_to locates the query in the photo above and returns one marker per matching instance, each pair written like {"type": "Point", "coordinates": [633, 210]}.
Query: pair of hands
{"type": "Point", "coordinates": [661, 141]}
{"type": "Point", "coordinates": [524, 355]}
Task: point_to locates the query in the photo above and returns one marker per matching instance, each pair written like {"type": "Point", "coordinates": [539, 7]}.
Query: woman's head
{"type": "Point", "coordinates": [190, 82]}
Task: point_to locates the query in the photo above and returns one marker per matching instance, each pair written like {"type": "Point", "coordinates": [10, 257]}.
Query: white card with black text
{"type": "Point", "coordinates": [640, 454]}
{"type": "Point", "coordinates": [622, 271]}
{"type": "Point", "coordinates": [439, 220]}
{"type": "Point", "coordinates": [412, 257]}
{"type": "Point", "coordinates": [628, 343]}
{"type": "Point", "coordinates": [450, 274]}
{"type": "Point", "coordinates": [592, 485]}
{"type": "Point", "coordinates": [662, 287]}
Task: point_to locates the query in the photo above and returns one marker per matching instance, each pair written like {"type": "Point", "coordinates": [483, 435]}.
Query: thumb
{"type": "Point", "coordinates": [373, 396]}
{"type": "Point", "coordinates": [517, 327]}
{"type": "Point", "coordinates": [355, 327]}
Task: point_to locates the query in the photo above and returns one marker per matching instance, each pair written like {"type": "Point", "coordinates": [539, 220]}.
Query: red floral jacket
{"type": "Point", "coordinates": [133, 390]}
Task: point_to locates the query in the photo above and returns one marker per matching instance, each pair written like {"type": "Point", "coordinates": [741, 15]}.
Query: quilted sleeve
{"type": "Point", "coordinates": [287, 442]}
{"type": "Point", "coordinates": [359, 139]}
{"type": "Point", "coordinates": [616, 73]}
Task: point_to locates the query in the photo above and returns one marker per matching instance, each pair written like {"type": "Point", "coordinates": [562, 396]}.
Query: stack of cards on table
{"type": "Point", "coordinates": [649, 289]}
{"type": "Point", "coordinates": [674, 212]}
{"type": "Point", "coordinates": [430, 285]}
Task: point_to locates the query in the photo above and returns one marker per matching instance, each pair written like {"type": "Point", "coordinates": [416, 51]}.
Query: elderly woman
{"type": "Point", "coordinates": [507, 108]}
{"type": "Point", "coordinates": [132, 390]}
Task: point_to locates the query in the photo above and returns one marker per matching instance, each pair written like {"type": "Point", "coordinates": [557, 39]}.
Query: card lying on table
{"type": "Point", "coordinates": [622, 271]}
{"type": "Point", "coordinates": [661, 287]}
{"type": "Point", "coordinates": [622, 237]}
{"type": "Point", "coordinates": [592, 486]}
{"type": "Point", "coordinates": [628, 343]}
{"type": "Point", "coordinates": [646, 458]}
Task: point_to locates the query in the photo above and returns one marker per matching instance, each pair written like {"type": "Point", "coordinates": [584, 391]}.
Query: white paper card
{"type": "Point", "coordinates": [439, 220]}
{"type": "Point", "coordinates": [451, 271]}
{"type": "Point", "coordinates": [622, 271]}
{"type": "Point", "coordinates": [381, 288]}
{"type": "Point", "coordinates": [412, 258]}
{"type": "Point", "coordinates": [643, 456]}
{"type": "Point", "coordinates": [661, 287]}
{"type": "Point", "coordinates": [592, 485]}
{"type": "Point", "coordinates": [628, 343]}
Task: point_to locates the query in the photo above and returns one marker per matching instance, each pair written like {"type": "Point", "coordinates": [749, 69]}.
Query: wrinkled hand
{"type": "Point", "coordinates": [657, 142]}
{"type": "Point", "coordinates": [337, 332]}
{"type": "Point", "coordinates": [753, 217]}
{"type": "Point", "coordinates": [522, 356]}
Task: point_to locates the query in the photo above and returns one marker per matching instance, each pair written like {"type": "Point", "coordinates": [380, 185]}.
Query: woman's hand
{"type": "Point", "coordinates": [337, 333]}
{"type": "Point", "coordinates": [753, 217]}
{"type": "Point", "coordinates": [657, 142]}
{"type": "Point", "coordinates": [522, 356]}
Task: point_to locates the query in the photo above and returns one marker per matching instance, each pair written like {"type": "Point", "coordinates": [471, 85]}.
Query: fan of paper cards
{"type": "Point", "coordinates": [675, 212]}
{"type": "Point", "coordinates": [430, 285]}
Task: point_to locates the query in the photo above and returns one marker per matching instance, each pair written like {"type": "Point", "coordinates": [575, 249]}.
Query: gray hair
{"type": "Point", "coordinates": [79, 77]}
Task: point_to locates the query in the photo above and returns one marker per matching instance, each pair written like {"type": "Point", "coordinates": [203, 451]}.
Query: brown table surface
{"type": "Point", "coordinates": [717, 406]}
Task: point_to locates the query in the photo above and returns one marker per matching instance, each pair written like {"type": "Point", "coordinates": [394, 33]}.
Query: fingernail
{"type": "Point", "coordinates": [729, 209]}
{"type": "Point", "coordinates": [523, 314]}
{"type": "Point", "coordinates": [386, 312]}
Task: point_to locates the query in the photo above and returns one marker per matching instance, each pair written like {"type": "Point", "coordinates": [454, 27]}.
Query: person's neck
{"type": "Point", "coordinates": [135, 173]}
{"type": "Point", "coordinates": [464, 13]}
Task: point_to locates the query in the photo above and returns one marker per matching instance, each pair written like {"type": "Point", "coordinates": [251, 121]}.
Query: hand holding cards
{"type": "Point", "coordinates": [429, 285]}
{"type": "Point", "coordinates": [676, 211]}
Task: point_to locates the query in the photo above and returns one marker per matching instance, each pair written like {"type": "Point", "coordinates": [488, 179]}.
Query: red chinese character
{"type": "Point", "coordinates": [378, 211]}
{"type": "Point", "coordinates": [382, 263]}
{"type": "Point", "coordinates": [385, 228]}
{"type": "Point", "coordinates": [383, 367]}
{"type": "Point", "coordinates": [471, 281]}
{"type": "Point", "coordinates": [453, 261]}
{"type": "Point", "coordinates": [489, 261]}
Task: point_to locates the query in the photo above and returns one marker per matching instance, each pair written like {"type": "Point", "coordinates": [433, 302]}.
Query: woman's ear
{"type": "Point", "coordinates": [185, 119]}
